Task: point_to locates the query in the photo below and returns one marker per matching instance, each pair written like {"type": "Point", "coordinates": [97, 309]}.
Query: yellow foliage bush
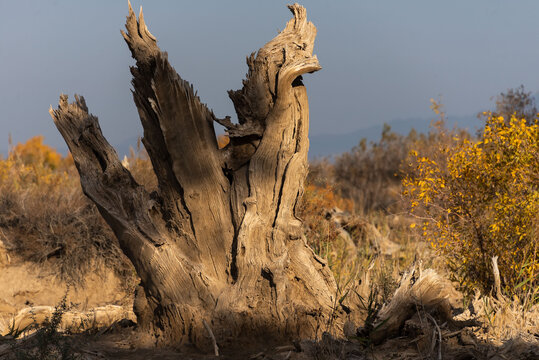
{"type": "Point", "coordinates": [35, 152]}
{"type": "Point", "coordinates": [34, 164]}
{"type": "Point", "coordinates": [480, 198]}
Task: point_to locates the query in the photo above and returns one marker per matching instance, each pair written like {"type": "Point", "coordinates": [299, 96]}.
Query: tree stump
{"type": "Point", "coordinates": [219, 242]}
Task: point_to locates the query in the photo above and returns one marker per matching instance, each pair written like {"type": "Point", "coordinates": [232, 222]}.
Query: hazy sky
{"type": "Point", "coordinates": [381, 59]}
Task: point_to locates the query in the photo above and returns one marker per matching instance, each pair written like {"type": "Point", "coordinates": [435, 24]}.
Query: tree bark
{"type": "Point", "coordinates": [219, 242]}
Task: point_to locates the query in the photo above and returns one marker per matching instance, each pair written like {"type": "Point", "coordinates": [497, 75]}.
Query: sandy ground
{"type": "Point", "coordinates": [27, 287]}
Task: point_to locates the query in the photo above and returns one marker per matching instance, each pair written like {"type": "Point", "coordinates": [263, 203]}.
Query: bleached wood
{"type": "Point", "coordinates": [220, 239]}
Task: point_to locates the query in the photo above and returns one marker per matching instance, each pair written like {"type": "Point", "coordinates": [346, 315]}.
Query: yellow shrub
{"type": "Point", "coordinates": [480, 199]}
{"type": "Point", "coordinates": [35, 152]}
{"type": "Point", "coordinates": [34, 164]}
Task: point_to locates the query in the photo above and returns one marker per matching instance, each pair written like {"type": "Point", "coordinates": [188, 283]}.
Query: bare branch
{"type": "Point", "coordinates": [103, 177]}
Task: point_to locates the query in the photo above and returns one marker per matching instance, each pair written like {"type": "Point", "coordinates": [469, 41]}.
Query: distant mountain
{"type": "Point", "coordinates": [330, 144]}
{"type": "Point", "coordinates": [334, 144]}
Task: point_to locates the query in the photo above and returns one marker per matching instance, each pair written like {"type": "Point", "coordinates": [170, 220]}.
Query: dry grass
{"type": "Point", "coordinates": [503, 319]}
{"type": "Point", "coordinates": [57, 223]}
{"type": "Point", "coordinates": [45, 218]}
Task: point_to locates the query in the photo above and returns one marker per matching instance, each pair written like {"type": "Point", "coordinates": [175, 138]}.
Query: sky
{"type": "Point", "coordinates": [381, 60]}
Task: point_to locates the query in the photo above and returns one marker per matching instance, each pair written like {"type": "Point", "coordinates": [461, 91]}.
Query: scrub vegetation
{"type": "Point", "coordinates": [451, 201]}
{"type": "Point", "coordinates": [415, 246]}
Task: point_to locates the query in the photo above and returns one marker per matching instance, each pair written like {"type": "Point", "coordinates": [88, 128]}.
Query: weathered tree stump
{"type": "Point", "coordinates": [219, 242]}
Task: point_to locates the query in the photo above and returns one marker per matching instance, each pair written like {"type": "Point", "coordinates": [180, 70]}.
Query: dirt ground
{"type": "Point", "coordinates": [27, 286]}
{"type": "Point", "coordinates": [124, 343]}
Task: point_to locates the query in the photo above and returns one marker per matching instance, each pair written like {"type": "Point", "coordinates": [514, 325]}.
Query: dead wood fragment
{"type": "Point", "coordinates": [497, 282]}
{"type": "Point", "coordinates": [427, 291]}
{"type": "Point", "coordinates": [439, 337]}
{"type": "Point", "coordinates": [214, 342]}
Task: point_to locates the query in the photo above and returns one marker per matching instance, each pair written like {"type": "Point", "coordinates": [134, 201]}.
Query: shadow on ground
{"type": "Point", "coordinates": [122, 341]}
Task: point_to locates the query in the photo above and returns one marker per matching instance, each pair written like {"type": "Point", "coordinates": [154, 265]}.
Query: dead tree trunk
{"type": "Point", "coordinates": [219, 242]}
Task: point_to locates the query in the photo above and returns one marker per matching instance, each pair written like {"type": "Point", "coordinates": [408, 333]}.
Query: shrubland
{"type": "Point", "coordinates": [45, 217]}
{"type": "Point", "coordinates": [467, 197]}
{"type": "Point", "coordinates": [448, 199]}
{"type": "Point", "coordinates": [462, 195]}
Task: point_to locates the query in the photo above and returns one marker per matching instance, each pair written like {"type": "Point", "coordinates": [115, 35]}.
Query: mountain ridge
{"type": "Point", "coordinates": [328, 145]}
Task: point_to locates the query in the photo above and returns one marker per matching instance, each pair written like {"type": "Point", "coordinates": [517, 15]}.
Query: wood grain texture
{"type": "Point", "coordinates": [219, 242]}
